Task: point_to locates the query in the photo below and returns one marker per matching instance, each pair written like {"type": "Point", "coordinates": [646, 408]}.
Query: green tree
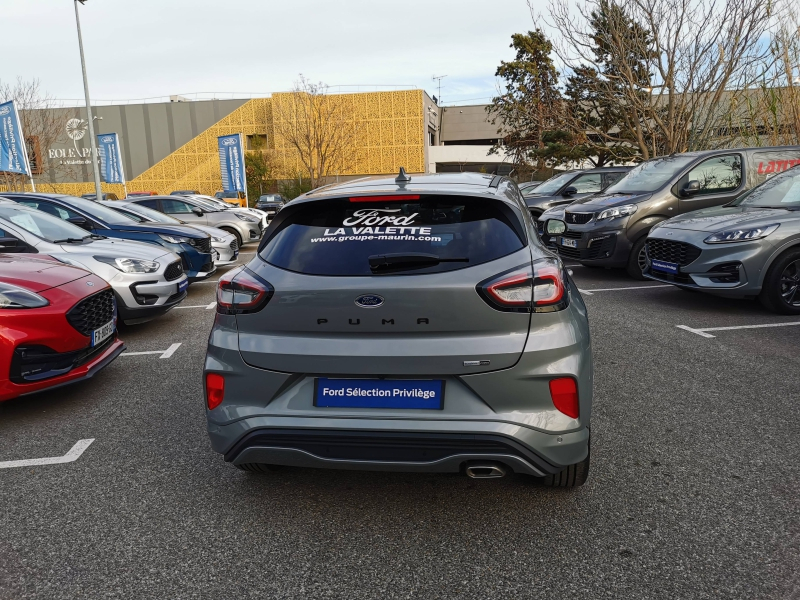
{"type": "Point", "coordinates": [292, 188]}
{"type": "Point", "coordinates": [530, 104]}
{"type": "Point", "coordinates": [599, 131]}
{"type": "Point", "coordinates": [260, 176]}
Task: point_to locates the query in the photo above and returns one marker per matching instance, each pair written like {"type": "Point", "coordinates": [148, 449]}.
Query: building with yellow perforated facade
{"type": "Point", "coordinates": [173, 145]}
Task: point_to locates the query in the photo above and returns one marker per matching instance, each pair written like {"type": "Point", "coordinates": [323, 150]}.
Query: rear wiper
{"type": "Point", "coordinates": [382, 262]}
{"type": "Point", "coordinates": [69, 241]}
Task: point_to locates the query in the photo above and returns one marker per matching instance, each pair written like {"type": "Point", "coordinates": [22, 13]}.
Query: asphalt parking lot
{"type": "Point", "coordinates": [692, 494]}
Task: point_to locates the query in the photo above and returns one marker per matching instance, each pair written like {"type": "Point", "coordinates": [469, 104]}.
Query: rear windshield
{"type": "Point", "coordinates": [430, 235]}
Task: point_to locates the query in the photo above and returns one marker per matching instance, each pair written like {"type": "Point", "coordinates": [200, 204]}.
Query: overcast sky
{"type": "Point", "coordinates": [146, 48]}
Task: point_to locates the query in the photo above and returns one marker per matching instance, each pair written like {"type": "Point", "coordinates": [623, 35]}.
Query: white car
{"type": "Point", "coordinates": [221, 204]}
{"type": "Point", "coordinates": [224, 246]}
{"type": "Point", "coordinates": [147, 280]}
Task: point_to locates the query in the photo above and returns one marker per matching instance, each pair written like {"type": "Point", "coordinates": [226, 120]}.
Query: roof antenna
{"type": "Point", "coordinates": [402, 178]}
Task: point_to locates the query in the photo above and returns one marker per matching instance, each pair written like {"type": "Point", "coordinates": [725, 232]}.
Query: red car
{"type": "Point", "coordinates": [57, 324]}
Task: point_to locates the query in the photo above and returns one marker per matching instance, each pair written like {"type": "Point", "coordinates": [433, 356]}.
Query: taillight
{"type": "Point", "coordinates": [215, 390]}
{"type": "Point", "coordinates": [564, 392]}
{"type": "Point", "coordinates": [539, 287]}
{"type": "Point", "coordinates": [242, 291]}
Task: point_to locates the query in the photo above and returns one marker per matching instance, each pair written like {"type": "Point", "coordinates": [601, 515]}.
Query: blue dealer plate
{"type": "Point", "coordinates": [183, 285]}
{"type": "Point", "coordinates": [664, 266]}
{"type": "Point", "coordinates": [379, 393]}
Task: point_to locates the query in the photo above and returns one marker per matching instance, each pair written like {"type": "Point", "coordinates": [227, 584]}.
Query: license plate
{"type": "Point", "coordinates": [664, 266]}
{"type": "Point", "coordinates": [182, 285]}
{"type": "Point", "coordinates": [379, 393]}
{"type": "Point", "coordinates": [569, 243]}
{"type": "Point", "coordinates": [103, 333]}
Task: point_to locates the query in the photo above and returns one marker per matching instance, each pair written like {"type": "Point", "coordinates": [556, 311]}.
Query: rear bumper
{"type": "Point", "coordinates": [9, 390]}
{"type": "Point", "coordinates": [374, 445]}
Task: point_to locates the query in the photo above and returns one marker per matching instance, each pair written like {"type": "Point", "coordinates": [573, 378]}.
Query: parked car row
{"type": "Point", "coordinates": [72, 268]}
{"type": "Point", "coordinates": [723, 222]}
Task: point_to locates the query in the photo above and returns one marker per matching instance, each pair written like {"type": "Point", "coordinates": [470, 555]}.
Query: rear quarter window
{"type": "Point", "coordinates": [338, 237]}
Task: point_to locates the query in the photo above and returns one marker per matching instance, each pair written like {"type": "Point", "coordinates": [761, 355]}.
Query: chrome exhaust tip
{"type": "Point", "coordinates": [485, 470]}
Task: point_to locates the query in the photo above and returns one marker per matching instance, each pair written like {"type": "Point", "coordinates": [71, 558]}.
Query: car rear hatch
{"type": "Point", "coordinates": [387, 287]}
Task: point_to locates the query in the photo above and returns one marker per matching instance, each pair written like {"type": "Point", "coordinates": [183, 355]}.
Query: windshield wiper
{"type": "Point", "coordinates": [408, 260]}
{"type": "Point", "coordinates": [94, 236]}
{"type": "Point", "coordinates": [70, 241]}
{"type": "Point", "coordinates": [771, 207]}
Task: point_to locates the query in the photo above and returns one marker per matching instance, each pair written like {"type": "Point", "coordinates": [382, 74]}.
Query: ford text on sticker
{"type": "Point", "coordinates": [377, 225]}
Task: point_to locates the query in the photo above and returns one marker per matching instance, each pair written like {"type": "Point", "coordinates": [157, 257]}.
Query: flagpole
{"type": "Point", "coordinates": [97, 187]}
{"type": "Point", "coordinates": [244, 172]}
{"type": "Point", "coordinates": [24, 150]}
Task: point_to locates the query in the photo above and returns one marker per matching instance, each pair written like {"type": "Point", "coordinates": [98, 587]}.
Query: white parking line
{"type": "Point", "coordinates": [164, 353]}
{"type": "Point", "coordinates": [636, 287]}
{"type": "Point", "coordinates": [206, 306]}
{"type": "Point", "coordinates": [703, 332]}
{"type": "Point", "coordinates": [71, 456]}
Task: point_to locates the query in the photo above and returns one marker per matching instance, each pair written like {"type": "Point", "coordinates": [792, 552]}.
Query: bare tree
{"type": "Point", "coordinates": [673, 66]}
{"type": "Point", "coordinates": [319, 128]}
{"type": "Point", "coordinates": [42, 123]}
{"type": "Point", "coordinates": [769, 114]}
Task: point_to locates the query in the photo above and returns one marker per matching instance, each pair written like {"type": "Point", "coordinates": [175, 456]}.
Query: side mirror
{"type": "Point", "coordinates": [555, 227]}
{"type": "Point", "coordinates": [570, 191]}
{"type": "Point", "coordinates": [8, 244]}
{"type": "Point", "coordinates": [198, 211]}
{"type": "Point", "coordinates": [80, 222]}
{"type": "Point", "coordinates": [690, 189]}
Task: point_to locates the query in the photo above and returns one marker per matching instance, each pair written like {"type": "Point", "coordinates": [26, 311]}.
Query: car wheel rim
{"type": "Point", "coordinates": [790, 283]}
{"type": "Point", "coordinates": [642, 259]}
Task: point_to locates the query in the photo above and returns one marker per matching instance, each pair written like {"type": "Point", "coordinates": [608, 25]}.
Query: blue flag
{"type": "Point", "coordinates": [110, 158]}
{"type": "Point", "coordinates": [231, 162]}
{"type": "Point", "coordinates": [12, 145]}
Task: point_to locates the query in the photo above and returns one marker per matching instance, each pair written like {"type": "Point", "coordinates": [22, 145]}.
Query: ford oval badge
{"type": "Point", "coordinates": [369, 301]}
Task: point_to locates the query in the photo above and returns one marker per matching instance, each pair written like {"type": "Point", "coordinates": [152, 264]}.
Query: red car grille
{"type": "Point", "coordinates": [92, 312]}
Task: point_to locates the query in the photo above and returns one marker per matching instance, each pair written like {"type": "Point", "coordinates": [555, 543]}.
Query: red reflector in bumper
{"type": "Point", "coordinates": [215, 390]}
{"type": "Point", "coordinates": [387, 198]}
{"type": "Point", "coordinates": [564, 392]}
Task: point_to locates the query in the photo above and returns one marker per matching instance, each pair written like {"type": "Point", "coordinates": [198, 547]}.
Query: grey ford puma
{"type": "Point", "coordinates": [406, 324]}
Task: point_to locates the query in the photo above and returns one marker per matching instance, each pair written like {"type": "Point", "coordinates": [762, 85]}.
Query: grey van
{"type": "Point", "coordinates": [610, 229]}
{"type": "Point", "coordinates": [409, 324]}
{"type": "Point", "coordinates": [244, 227]}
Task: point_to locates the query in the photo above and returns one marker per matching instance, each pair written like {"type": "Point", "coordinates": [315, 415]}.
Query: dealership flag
{"type": "Point", "coordinates": [231, 162]}
{"type": "Point", "coordinates": [110, 158]}
{"type": "Point", "coordinates": [13, 158]}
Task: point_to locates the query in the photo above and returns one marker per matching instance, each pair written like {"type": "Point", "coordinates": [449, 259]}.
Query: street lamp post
{"type": "Point", "coordinates": [98, 190]}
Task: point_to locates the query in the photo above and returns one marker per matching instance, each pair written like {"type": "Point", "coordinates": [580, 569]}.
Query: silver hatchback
{"type": "Point", "coordinates": [403, 324]}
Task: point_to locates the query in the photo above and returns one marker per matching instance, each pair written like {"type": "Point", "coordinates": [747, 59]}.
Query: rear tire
{"type": "Point", "coordinates": [571, 477]}
{"type": "Point", "coordinates": [234, 233]}
{"type": "Point", "coordinates": [780, 292]}
{"type": "Point", "coordinates": [637, 261]}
